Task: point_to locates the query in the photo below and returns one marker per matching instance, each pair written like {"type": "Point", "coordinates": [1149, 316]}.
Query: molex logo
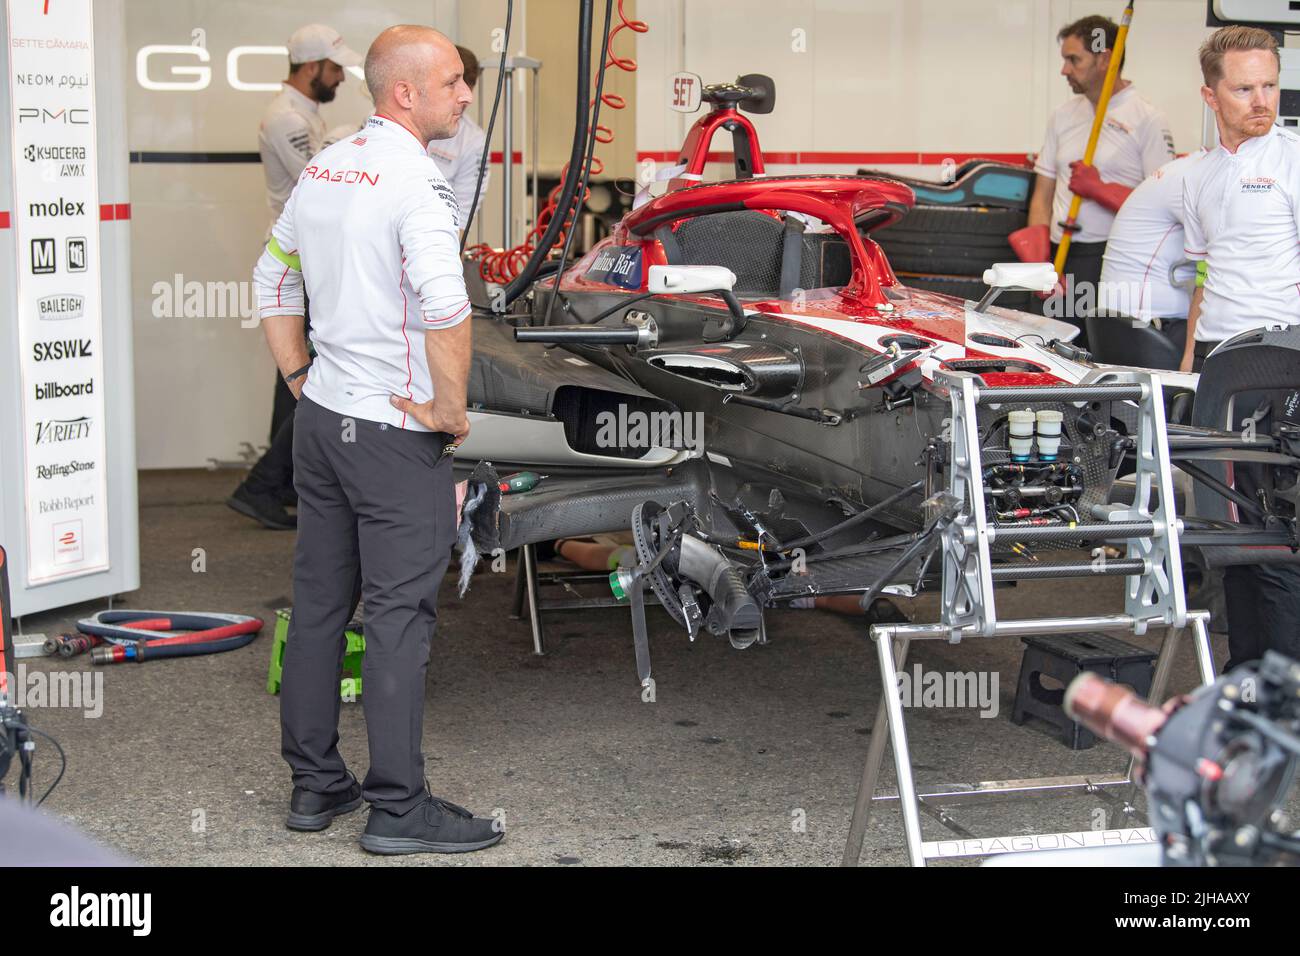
{"type": "Point", "coordinates": [58, 207]}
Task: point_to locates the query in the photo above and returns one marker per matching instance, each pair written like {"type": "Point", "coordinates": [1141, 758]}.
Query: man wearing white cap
{"type": "Point", "coordinates": [292, 132]}
{"type": "Point", "coordinates": [292, 129]}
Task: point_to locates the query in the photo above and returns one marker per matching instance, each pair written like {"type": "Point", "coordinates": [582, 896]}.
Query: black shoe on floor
{"type": "Point", "coordinates": [309, 810]}
{"type": "Point", "coordinates": [434, 826]}
{"type": "Point", "coordinates": [262, 508]}
{"type": "Point", "coordinates": [287, 497]}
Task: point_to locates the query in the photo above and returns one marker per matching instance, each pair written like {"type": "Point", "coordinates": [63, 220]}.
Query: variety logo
{"type": "Point", "coordinates": [46, 472]}
{"type": "Point", "coordinates": [52, 308]}
{"type": "Point", "coordinates": [75, 116]}
{"type": "Point", "coordinates": [59, 207]}
{"type": "Point", "coordinates": [77, 254]}
{"type": "Point", "coordinates": [66, 503]}
{"type": "Point", "coordinates": [59, 390]}
{"type": "Point", "coordinates": [67, 542]}
{"type": "Point", "coordinates": [42, 257]}
{"type": "Point", "coordinates": [56, 431]}
{"type": "Point", "coordinates": [62, 349]}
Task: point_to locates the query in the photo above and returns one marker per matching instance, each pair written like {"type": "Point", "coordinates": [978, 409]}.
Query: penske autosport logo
{"type": "Point", "coordinates": [1257, 184]}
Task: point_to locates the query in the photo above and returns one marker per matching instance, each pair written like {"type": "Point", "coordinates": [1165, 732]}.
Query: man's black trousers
{"type": "Point", "coordinates": [376, 519]}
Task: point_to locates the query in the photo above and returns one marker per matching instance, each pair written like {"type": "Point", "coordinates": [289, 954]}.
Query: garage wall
{"type": "Point", "coordinates": [866, 80]}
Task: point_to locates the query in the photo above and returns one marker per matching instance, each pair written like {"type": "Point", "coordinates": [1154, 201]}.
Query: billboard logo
{"type": "Point", "coordinates": [77, 254]}
{"type": "Point", "coordinates": [42, 257]}
{"type": "Point", "coordinates": [52, 308]}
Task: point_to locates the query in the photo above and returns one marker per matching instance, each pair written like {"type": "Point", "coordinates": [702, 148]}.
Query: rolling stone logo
{"type": "Point", "coordinates": [46, 472]}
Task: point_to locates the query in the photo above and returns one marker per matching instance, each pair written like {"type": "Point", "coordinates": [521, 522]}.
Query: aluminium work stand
{"type": "Point", "coordinates": [1154, 598]}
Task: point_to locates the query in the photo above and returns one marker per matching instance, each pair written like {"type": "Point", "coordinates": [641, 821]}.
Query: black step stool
{"type": "Point", "coordinates": [1064, 657]}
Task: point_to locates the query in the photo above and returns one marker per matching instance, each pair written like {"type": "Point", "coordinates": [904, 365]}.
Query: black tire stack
{"type": "Point", "coordinates": [947, 248]}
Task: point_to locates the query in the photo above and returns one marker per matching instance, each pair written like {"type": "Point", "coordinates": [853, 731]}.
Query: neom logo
{"type": "Point", "coordinates": [134, 910]}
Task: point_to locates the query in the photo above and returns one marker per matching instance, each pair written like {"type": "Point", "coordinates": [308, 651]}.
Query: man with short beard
{"type": "Point", "coordinates": [371, 233]}
{"type": "Point", "coordinates": [1134, 143]}
{"type": "Point", "coordinates": [1241, 211]}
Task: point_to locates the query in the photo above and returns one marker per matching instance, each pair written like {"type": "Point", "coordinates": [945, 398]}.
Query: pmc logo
{"type": "Point", "coordinates": [60, 117]}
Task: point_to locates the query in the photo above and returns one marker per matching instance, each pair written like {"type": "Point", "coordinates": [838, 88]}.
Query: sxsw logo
{"type": "Point", "coordinates": [64, 349]}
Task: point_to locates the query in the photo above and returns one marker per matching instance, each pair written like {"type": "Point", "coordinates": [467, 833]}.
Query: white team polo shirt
{"type": "Point", "coordinates": [1135, 141]}
{"type": "Point", "coordinates": [1242, 213]}
{"type": "Point", "coordinates": [459, 158]}
{"type": "Point", "coordinates": [373, 224]}
{"type": "Point", "coordinates": [1145, 242]}
{"type": "Point", "coordinates": [292, 131]}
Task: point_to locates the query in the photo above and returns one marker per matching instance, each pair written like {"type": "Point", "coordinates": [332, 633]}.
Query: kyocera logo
{"type": "Point", "coordinates": [65, 116]}
{"type": "Point", "coordinates": [179, 60]}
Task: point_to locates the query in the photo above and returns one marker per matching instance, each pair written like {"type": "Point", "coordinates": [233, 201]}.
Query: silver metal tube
{"type": "Point", "coordinates": [902, 756]}
{"type": "Point", "coordinates": [1044, 625]}
{"type": "Point", "coordinates": [507, 158]}
{"type": "Point", "coordinates": [870, 775]}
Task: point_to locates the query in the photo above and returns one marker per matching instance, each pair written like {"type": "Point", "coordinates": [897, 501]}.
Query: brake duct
{"type": "Point", "coordinates": [695, 582]}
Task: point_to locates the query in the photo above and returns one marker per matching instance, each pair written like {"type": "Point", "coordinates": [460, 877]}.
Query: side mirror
{"type": "Point", "coordinates": [1022, 276]}
{"type": "Point", "coordinates": [687, 279]}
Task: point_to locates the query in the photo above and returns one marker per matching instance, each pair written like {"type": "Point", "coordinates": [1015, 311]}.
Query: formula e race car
{"type": "Point", "coordinates": [737, 375]}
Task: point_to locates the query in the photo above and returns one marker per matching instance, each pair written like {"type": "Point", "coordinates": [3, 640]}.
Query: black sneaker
{"type": "Point", "coordinates": [309, 810]}
{"type": "Point", "coordinates": [434, 826]}
{"type": "Point", "coordinates": [262, 508]}
{"type": "Point", "coordinates": [287, 497]}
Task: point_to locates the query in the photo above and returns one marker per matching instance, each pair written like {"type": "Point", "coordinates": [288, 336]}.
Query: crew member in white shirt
{"type": "Point", "coordinates": [291, 133]}
{"type": "Point", "coordinates": [1242, 217]}
{"type": "Point", "coordinates": [1145, 275]}
{"type": "Point", "coordinates": [370, 234]}
{"type": "Point", "coordinates": [1135, 141]}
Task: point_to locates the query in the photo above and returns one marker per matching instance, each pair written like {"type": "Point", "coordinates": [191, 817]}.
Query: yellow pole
{"type": "Point", "coordinates": [1112, 72]}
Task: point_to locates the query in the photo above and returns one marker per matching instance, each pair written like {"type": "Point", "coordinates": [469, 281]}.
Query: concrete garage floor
{"type": "Point", "coordinates": [738, 746]}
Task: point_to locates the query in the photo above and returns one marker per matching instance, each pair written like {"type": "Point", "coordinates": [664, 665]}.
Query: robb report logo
{"type": "Point", "coordinates": [52, 506]}
{"type": "Point", "coordinates": [46, 472]}
{"type": "Point", "coordinates": [59, 390]}
{"type": "Point", "coordinates": [62, 349]}
{"type": "Point", "coordinates": [35, 154]}
{"type": "Point", "coordinates": [56, 431]}
{"type": "Point", "coordinates": [59, 207]}
{"type": "Point", "coordinates": [52, 308]}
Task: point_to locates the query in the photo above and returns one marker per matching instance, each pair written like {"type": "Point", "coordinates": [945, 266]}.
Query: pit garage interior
{"type": "Point", "coordinates": [564, 698]}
